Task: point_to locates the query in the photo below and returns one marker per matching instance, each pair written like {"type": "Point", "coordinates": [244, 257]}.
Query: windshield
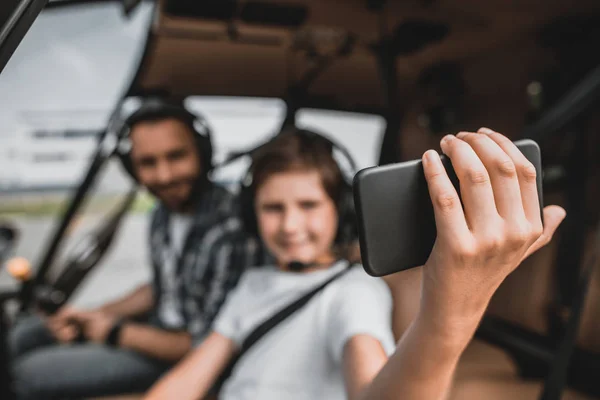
{"type": "Point", "coordinates": [360, 134]}
{"type": "Point", "coordinates": [239, 124]}
{"type": "Point", "coordinates": [56, 94]}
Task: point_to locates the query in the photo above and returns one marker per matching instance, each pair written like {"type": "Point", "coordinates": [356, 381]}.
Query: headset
{"type": "Point", "coordinates": [347, 231]}
{"type": "Point", "coordinates": [155, 109]}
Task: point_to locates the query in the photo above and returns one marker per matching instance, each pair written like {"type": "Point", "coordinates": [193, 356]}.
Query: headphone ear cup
{"type": "Point", "coordinates": [203, 141]}
{"type": "Point", "coordinates": [247, 213]}
{"type": "Point", "coordinates": [347, 226]}
{"type": "Point", "coordinates": [126, 163]}
{"type": "Point", "coordinates": [206, 152]}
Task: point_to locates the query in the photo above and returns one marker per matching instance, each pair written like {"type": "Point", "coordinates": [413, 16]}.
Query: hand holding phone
{"type": "Point", "coordinates": [397, 228]}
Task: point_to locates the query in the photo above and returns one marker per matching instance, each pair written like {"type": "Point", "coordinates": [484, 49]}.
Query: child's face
{"type": "Point", "coordinates": [297, 220]}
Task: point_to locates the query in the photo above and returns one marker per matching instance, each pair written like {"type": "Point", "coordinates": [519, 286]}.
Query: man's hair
{"type": "Point", "coordinates": [298, 150]}
{"type": "Point", "coordinates": [153, 113]}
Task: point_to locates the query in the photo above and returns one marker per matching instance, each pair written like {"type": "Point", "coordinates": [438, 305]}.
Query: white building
{"type": "Point", "coordinates": [48, 150]}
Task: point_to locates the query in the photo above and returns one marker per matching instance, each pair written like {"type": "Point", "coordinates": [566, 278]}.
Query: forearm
{"type": "Point", "coordinates": [424, 362]}
{"type": "Point", "coordinates": [154, 342]}
{"type": "Point", "coordinates": [180, 383]}
{"type": "Point", "coordinates": [139, 302]}
{"type": "Point", "coordinates": [193, 377]}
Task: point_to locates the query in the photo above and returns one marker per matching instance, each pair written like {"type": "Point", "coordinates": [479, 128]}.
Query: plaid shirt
{"type": "Point", "coordinates": [214, 255]}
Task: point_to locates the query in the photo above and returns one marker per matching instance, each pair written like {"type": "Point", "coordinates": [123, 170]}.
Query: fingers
{"type": "Point", "coordinates": [65, 313]}
{"type": "Point", "coordinates": [502, 172]}
{"type": "Point", "coordinates": [81, 318]}
{"type": "Point", "coordinates": [449, 215]}
{"type": "Point", "coordinates": [55, 323]}
{"type": "Point", "coordinates": [498, 189]}
{"type": "Point", "coordinates": [66, 316]}
{"type": "Point", "coordinates": [525, 171]}
{"type": "Point", "coordinates": [67, 333]}
{"type": "Point", "coordinates": [553, 216]}
{"type": "Point", "coordinates": [475, 186]}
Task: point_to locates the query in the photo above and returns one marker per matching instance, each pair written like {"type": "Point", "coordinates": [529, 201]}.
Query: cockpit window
{"type": "Point", "coordinates": [56, 95]}
{"type": "Point", "coordinates": [360, 134]}
{"type": "Point", "coordinates": [238, 124]}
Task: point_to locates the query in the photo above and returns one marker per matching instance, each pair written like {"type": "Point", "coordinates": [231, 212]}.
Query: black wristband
{"type": "Point", "coordinates": [112, 339]}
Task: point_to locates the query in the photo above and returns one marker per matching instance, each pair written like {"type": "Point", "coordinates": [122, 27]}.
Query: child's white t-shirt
{"type": "Point", "coordinates": [301, 358]}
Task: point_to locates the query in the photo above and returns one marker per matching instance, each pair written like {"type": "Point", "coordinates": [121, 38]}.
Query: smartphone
{"type": "Point", "coordinates": [396, 223]}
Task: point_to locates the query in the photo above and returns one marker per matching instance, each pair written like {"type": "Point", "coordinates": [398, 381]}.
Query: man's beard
{"type": "Point", "coordinates": [195, 186]}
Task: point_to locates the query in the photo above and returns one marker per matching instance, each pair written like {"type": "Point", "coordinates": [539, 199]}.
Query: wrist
{"type": "Point", "coordinates": [452, 310]}
{"type": "Point", "coordinates": [106, 309]}
{"type": "Point", "coordinates": [452, 331]}
{"type": "Point", "coordinates": [129, 336]}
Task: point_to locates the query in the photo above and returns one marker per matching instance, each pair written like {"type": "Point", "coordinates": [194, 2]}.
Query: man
{"type": "Point", "coordinates": [198, 252]}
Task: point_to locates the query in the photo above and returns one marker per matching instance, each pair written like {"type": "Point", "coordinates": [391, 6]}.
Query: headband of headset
{"type": "Point", "coordinates": [347, 227]}
{"type": "Point", "coordinates": [159, 109]}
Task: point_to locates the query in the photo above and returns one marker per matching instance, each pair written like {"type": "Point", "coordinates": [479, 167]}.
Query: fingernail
{"type": "Point", "coordinates": [432, 157]}
{"type": "Point", "coordinates": [447, 138]}
{"type": "Point", "coordinates": [445, 141]}
{"type": "Point", "coordinates": [487, 131]}
{"type": "Point", "coordinates": [461, 135]}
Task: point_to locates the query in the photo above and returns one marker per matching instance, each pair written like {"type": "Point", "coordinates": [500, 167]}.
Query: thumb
{"type": "Point", "coordinates": [553, 216]}
{"type": "Point", "coordinates": [65, 312]}
{"type": "Point", "coordinates": [79, 318]}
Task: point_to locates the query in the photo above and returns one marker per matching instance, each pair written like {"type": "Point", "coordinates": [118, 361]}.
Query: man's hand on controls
{"type": "Point", "coordinates": [70, 323]}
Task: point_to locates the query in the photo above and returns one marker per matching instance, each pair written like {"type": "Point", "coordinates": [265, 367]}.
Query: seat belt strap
{"type": "Point", "coordinates": [265, 327]}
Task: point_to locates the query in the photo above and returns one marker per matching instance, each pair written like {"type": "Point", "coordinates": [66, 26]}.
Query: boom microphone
{"type": "Point", "coordinates": [299, 266]}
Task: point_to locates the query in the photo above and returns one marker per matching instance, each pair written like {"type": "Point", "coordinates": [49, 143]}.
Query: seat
{"type": "Point", "coordinates": [498, 388]}
{"type": "Point", "coordinates": [482, 360]}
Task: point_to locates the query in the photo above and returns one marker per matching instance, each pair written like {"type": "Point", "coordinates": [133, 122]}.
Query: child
{"type": "Point", "coordinates": [337, 345]}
